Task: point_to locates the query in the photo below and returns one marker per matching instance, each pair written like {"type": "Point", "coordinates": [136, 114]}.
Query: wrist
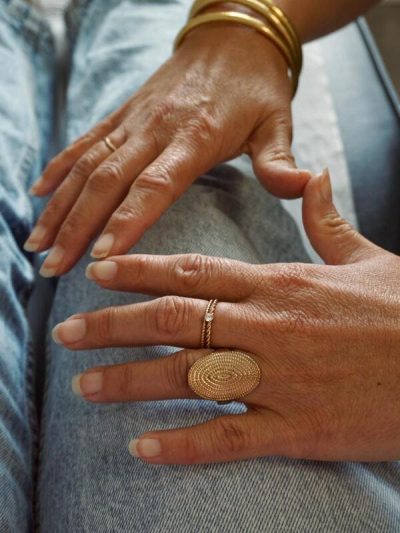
{"type": "Point", "coordinates": [242, 45]}
{"type": "Point", "coordinates": [248, 26]}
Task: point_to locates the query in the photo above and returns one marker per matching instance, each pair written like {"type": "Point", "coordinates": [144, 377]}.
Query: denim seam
{"type": "Point", "coordinates": [74, 16]}
{"type": "Point", "coordinates": [40, 439]}
{"type": "Point", "coordinates": [32, 415]}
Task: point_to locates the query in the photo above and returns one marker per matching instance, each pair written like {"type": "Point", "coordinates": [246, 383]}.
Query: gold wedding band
{"type": "Point", "coordinates": [224, 376]}
{"type": "Point", "coordinates": [110, 144]}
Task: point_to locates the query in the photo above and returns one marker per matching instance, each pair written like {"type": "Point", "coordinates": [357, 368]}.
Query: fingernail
{"type": "Point", "coordinates": [103, 270]}
{"type": "Point", "coordinates": [102, 246]}
{"type": "Point", "coordinates": [87, 383]}
{"type": "Point", "coordinates": [35, 238]}
{"type": "Point", "coordinates": [69, 331]}
{"type": "Point", "coordinates": [325, 186]}
{"type": "Point", "coordinates": [145, 448]}
{"type": "Point", "coordinates": [52, 262]}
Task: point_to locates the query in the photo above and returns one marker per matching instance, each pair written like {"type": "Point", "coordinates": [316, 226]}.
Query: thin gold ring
{"type": "Point", "coordinates": [110, 144]}
{"type": "Point", "coordinates": [205, 341]}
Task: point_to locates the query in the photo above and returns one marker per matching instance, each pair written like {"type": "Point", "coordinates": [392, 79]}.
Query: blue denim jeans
{"type": "Point", "coordinates": [86, 479]}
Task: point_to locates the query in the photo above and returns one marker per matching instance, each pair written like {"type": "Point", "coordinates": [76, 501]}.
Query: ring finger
{"type": "Point", "coordinates": [61, 202]}
{"type": "Point", "coordinates": [85, 208]}
{"type": "Point", "coordinates": [170, 320]}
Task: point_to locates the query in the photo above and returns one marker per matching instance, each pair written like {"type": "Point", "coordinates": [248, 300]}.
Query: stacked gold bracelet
{"type": "Point", "coordinates": [276, 27]}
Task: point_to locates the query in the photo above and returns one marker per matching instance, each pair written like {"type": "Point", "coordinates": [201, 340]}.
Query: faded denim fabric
{"type": "Point", "coordinates": [26, 56]}
{"type": "Point", "coordinates": [87, 480]}
{"type": "Point", "coordinates": [84, 459]}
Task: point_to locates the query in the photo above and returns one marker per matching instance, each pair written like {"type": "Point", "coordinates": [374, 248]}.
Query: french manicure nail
{"type": "Point", "coordinates": [145, 448]}
{"type": "Point", "coordinates": [87, 383]}
{"type": "Point", "coordinates": [35, 238]}
{"type": "Point", "coordinates": [69, 331]}
{"type": "Point", "coordinates": [325, 186]}
{"type": "Point", "coordinates": [103, 270]}
{"type": "Point", "coordinates": [103, 246]}
{"type": "Point", "coordinates": [76, 384]}
{"type": "Point", "coordinates": [52, 262]}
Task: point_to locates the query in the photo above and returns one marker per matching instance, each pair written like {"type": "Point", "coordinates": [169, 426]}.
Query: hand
{"type": "Point", "coordinates": [223, 93]}
{"type": "Point", "coordinates": [326, 338]}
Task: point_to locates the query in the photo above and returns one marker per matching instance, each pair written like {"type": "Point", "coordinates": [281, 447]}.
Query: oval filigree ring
{"type": "Point", "coordinates": [224, 375]}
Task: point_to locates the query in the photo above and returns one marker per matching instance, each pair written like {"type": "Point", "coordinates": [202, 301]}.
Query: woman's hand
{"type": "Point", "coordinates": [326, 337]}
{"type": "Point", "coordinates": [224, 92]}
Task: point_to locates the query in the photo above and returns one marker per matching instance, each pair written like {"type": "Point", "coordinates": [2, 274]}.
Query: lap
{"type": "Point", "coordinates": [114, 492]}
{"type": "Point", "coordinates": [84, 461]}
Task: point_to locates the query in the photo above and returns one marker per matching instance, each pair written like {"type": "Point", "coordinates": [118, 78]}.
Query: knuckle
{"type": "Point", "coordinates": [229, 437]}
{"type": "Point", "coordinates": [108, 174]}
{"type": "Point", "coordinates": [162, 112]}
{"type": "Point", "coordinates": [126, 214]}
{"type": "Point", "coordinates": [85, 164]}
{"type": "Point", "coordinates": [204, 127]}
{"type": "Point", "coordinates": [195, 270]}
{"type": "Point", "coordinates": [191, 447]}
{"type": "Point", "coordinates": [280, 153]}
{"type": "Point", "coordinates": [291, 277]}
{"type": "Point", "coordinates": [105, 325]}
{"type": "Point", "coordinates": [336, 225]}
{"type": "Point", "coordinates": [125, 379]}
{"type": "Point", "coordinates": [171, 315]}
{"type": "Point", "coordinates": [177, 371]}
{"type": "Point", "coordinates": [283, 121]}
{"type": "Point", "coordinates": [157, 183]}
{"type": "Point", "coordinates": [141, 266]}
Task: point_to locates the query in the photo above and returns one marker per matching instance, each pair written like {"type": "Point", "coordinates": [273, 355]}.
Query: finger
{"type": "Point", "coordinates": [59, 167]}
{"type": "Point", "coordinates": [273, 160]}
{"type": "Point", "coordinates": [151, 194]}
{"type": "Point", "coordinates": [130, 382]}
{"type": "Point", "coordinates": [169, 321]}
{"type": "Point", "coordinates": [194, 275]}
{"type": "Point", "coordinates": [333, 238]}
{"type": "Point", "coordinates": [101, 195]}
{"type": "Point", "coordinates": [60, 204]}
{"type": "Point", "coordinates": [223, 439]}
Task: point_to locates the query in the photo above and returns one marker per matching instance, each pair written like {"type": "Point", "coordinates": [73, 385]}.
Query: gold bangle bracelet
{"type": "Point", "coordinates": [241, 18]}
{"type": "Point", "coordinates": [285, 21]}
{"type": "Point", "coordinates": [267, 13]}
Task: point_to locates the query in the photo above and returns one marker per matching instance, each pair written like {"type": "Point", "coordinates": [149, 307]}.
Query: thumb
{"type": "Point", "coordinates": [332, 237]}
{"type": "Point", "coordinates": [273, 160]}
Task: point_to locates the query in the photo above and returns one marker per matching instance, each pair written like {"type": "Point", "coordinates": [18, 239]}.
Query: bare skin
{"type": "Point", "coordinates": [211, 102]}
{"type": "Point", "coordinates": [326, 338]}
{"type": "Point", "coordinates": [225, 92]}
{"type": "Point", "coordinates": [315, 18]}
